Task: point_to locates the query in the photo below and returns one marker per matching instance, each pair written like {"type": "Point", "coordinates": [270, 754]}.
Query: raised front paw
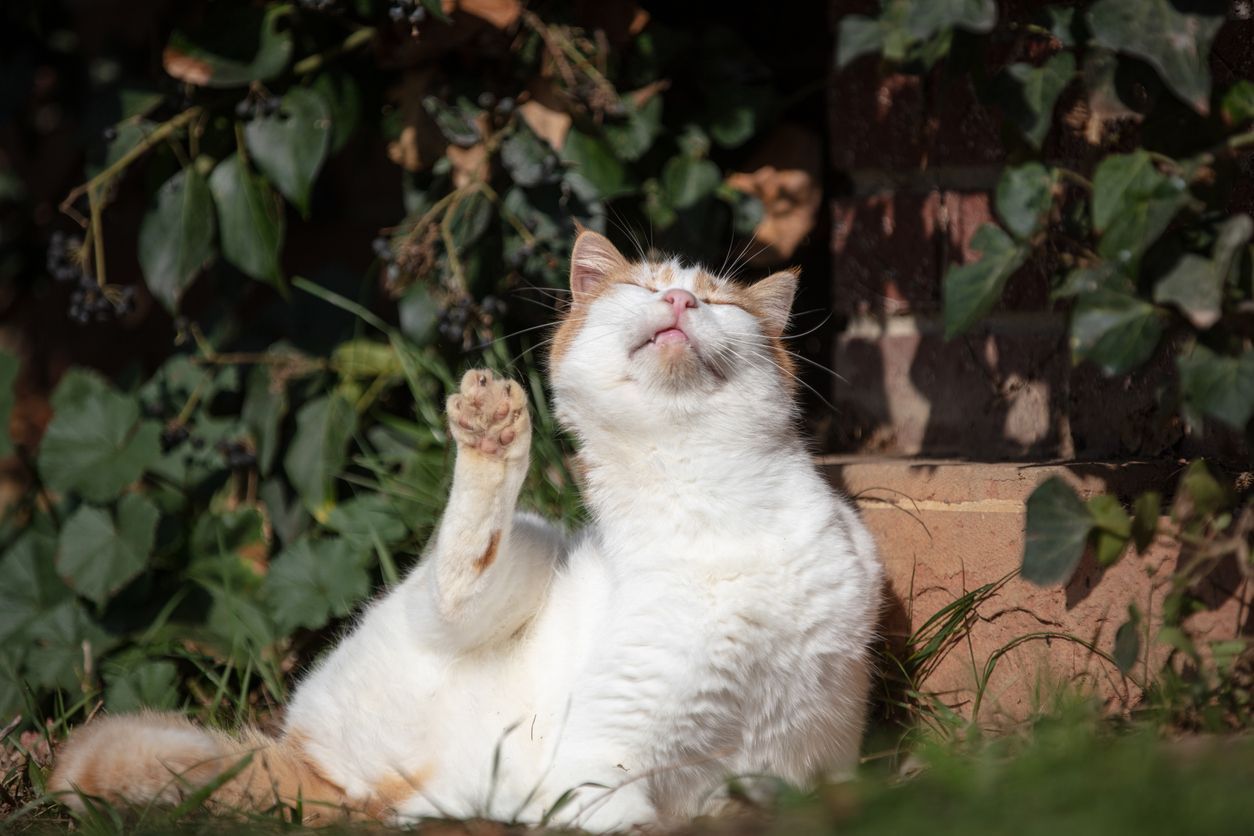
{"type": "Point", "coordinates": [489, 415]}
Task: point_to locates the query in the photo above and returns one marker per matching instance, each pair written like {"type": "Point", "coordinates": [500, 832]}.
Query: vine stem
{"type": "Point", "coordinates": [355, 40]}
{"type": "Point", "coordinates": [158, 135]}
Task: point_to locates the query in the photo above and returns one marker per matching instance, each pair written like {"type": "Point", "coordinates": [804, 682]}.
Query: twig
{"type": "Point", "coordinates": [355, 40]}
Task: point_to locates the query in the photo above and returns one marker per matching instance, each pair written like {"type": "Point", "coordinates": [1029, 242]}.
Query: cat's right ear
{"type": "Point", "coordinates": [592, 261]}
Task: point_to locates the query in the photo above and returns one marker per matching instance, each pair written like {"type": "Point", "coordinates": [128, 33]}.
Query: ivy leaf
{"type": "Point", "coordinates": [317, 452]}
{"type": "Point", "coordinates": [686, 180]}
{"type": "Point", "coordinates": [312, 582]}
{"type": "Point", "coordinates": [469, 219]}
{"type": "Point", "coordinates": [858, 36]}
{"type": "Point", "coordinates": [1132, 204]}
{"type": "Point", "coordinates": [1113, 528]}
{"type": "Point", "coordinates": [1128, 640]}
{"type": "Point", "coordinates": [1057, 527]}
{"type": "Point", "coordinates": [1238, 103]}
{"type": "Point", "coordinates": [1222, 387]}
{"type": "Point", "coordinates": [927, 17]}
{"type": "Point", "coordinates": [99, 553]}
{"type": "Point", "coordinates": [265, 404]}
{"type": "Point", "coordinates": [141, 685]}
{"type": "Point", "coordinates": [1145, 512]}
{"type": "Point", "coordinates": [363, 518]}
{"type": "Point", "coordinates": [524, 156]}
{"type": "Point", "coordinates": [1028, 94]}
{"type": "Point", "coordinates": [96, 444]}
{"type": "Point", "coordinates": [1195, 284]}
{"type": "Point", "coordinates": [459, 123]}
{"type": "Point", "coordinates": [235, 47]}
{"type": "Point", "coordinates": [250, 218]}
{"type": "Point", "coordinates": [1116, 331]}
{"type": "Point", "coordinates": [971, 290]}
{"type": "Point", "coordinates": [595, 161]}
{"type": "Point", "coordinates": [31, 586]}
{"type": "Point", "coordinates": [62, 640]}
{"type": "Point", "coordinates": [639, 128]}
{"type": "Point", "coordinates": [1204, 491]}
{"type": "Point", "coordinates": [8, 376]}
{"type": "Point", "coordinates": [290, 146]}
{"type": "Point", "coordinates": [418, 314]}
{"type": "Point", "coordinates": [1174, 43]}
{"type": "Point", "coordinates": [176, 236]}
{"type": "Point", "coordinates": [342, 96]}
{"type": "Point", "coordinates": [1024, 196]}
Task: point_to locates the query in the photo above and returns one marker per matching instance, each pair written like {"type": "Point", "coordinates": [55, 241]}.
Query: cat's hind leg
{"type": "Point", "coordinates": [487, 568]}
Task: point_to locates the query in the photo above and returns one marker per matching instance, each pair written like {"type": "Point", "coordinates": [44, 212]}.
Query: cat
{"type": "Point", "coordinates": [714, 620]}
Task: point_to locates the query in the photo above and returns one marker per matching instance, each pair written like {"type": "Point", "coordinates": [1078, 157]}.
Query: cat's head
{"type": "Point", "coordinates": [649, 340]}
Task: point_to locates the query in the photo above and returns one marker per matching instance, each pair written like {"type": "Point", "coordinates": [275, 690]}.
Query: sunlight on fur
{"type": "Point", "coordinates": [713, 620]}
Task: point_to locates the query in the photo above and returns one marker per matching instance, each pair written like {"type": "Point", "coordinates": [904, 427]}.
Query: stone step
{"type": "Point", "coordinates": [945, 528]}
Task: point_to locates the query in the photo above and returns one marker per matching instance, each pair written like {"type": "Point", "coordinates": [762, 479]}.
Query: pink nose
{"type": "Point", "coordinates": [680, 299]}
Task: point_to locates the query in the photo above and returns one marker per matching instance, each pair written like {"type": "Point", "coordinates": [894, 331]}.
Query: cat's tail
{"type": "Point", "coordinates": [162, 758]}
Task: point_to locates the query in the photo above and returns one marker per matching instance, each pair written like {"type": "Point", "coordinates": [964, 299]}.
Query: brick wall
{"type": "Point", "coordinates": [915, 159]}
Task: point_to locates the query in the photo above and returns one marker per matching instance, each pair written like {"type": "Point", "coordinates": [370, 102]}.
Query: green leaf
{"type": "Point", "coordinates": [250, 219]}
{"type": "Point", "coordinates": [596, 162]}
{"type": "Point", "coordinates": [419, 315]}
{"type": "Point", "coordinates": [290, 146]}
{"type": "Point", "coordinates": [1113, 528]}
{"type": "Point", "coordinates": [1029, 93]}
{"type": "Point", "coordinates": [235, 46]}
{"type": "Point", "coordinates": [8, 376]}
{"type": "Point", "coordinates": [141, 685]}
{"type": "Point", "coordinates": [686, 180]}
{"type": "Point", "coordinates": [1116, 331]}
{"type": "Point", "coordinates": [99, 553]}
{"type": "Point", "coordinates": [1145, 512]}
{"type": "Point", "coordinates": [858, 36]}
{"type": "Point", "coordinates": [1100, 276]}
{"type": "Point", "coordinates": [734, 113]}
{"type": "Point", "coordinates": [1128, 640]}
{"type": "Point", "coordinates": [31, 586]}
{"type": "Point", "coordinates": [1238, 103]}
{"type": "Point", "coordinates": [971, 290]}
{"type": "Point", "coordinates": [1132, 205]}
{"type": "Point", "coordinates": [312, 582]}
{"type": "Point", "coordinates": [230, 544]}
{"type": "Point", "coordinates": [636, 133]}
{"type": "Point", "coordinates": [927, 17]}
{"type": "Point", "coordinates": [1218, 386]}
{"type": "Point", "coordinates": [63, 640]}
{"type": "Point", "coordinates": [364, 518]}
{"type": "Point", "coordinates": [525, 156]}
{"type": "Point", "coordinates": [96, 444]}
{"type": "Point", "coordinates": [469, 219]}
{"type": "Point", "coordinates": [459, 123]}
{"type": "Point", "coordinates": [1175, 44]}
{"type": "Point", "coordinates": [1057, 527]}
{"type": "Point", "coordinates": [1024, 196]}
{"type": "Point", "coordinates": [342, 96]}
{"type": "Point", "coordinates": [317, 452]}
{"type": "Point", "coordinates": [1195, 284]}
{"type": "Point", "coordinates": [1206, 494]}
{"type": "Point", "coordinates": [176, 236]}
{"type": "Point", "coordinates": [265, 404]}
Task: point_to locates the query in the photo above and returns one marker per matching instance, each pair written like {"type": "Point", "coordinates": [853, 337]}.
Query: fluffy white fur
{"type": "Point", "coordinates": [712, 621]}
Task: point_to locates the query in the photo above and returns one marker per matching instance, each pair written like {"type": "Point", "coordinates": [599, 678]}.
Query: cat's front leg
{"type": "Point", "coordinates": [487, 568]}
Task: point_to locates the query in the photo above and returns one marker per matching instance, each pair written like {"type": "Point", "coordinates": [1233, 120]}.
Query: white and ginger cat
{"type": "Point", "coordinates": [713, 621]}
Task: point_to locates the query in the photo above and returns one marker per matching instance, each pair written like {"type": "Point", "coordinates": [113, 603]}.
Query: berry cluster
{"type": "Point", "coordinates": [410, 11]}
{"type": "Point", "coordinates": [239, 455]}
{"type": "Point", "coordinates": [462, 320]}
{"type": "Point", "coordinates": [88, 301]}
{"type": "Point", "coordinates": [172, 435]}
{"type": "Point", "coordinates": [489, 101]}
{"type": "Point", "coordinates": [255, 106]}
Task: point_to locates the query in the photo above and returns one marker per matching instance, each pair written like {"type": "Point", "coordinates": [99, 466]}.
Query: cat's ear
{"type": "Point", "coordinates": [592, 260]}
{"type": "Point", "coordinates": [771, 299]}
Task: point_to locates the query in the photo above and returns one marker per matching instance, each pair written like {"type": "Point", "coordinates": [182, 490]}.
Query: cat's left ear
{"type": "Point", "coordinates": [771, 299]}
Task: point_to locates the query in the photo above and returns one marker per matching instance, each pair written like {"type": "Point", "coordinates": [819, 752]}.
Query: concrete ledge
{"type": "Point", "coordinates": [945, 528]}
